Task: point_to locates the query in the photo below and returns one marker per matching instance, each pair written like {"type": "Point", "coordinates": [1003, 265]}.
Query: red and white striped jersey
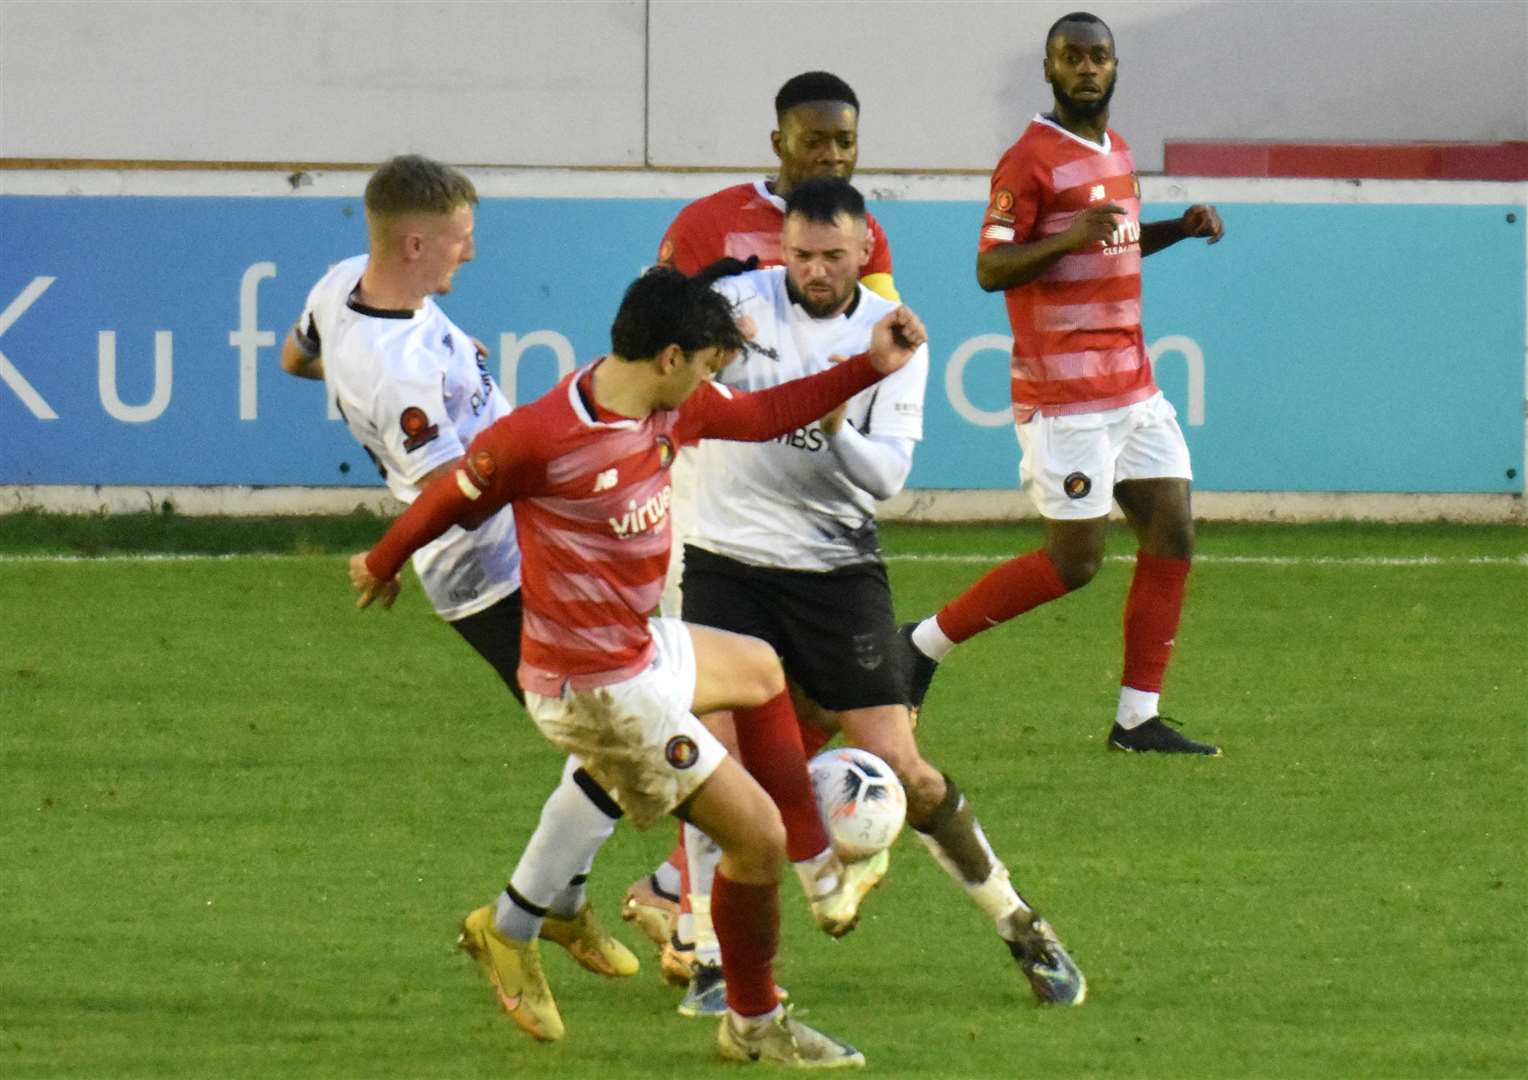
{"type": "Point", "coordinates": [1077, 342]}
{"type": "Point", "coordinates": [744, 220]}
{"type": "Point", "coordinates": [592, 495]}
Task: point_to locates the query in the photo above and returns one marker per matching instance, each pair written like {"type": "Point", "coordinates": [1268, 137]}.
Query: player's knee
{"type": "Point", "coordinates": [1178, 543]}
{"type": "Point", "coordinates": [760, 669]}
{"type": "Point", "coordinates": [923, 783]}
{"type": "Point", "coordinates": [761, 848]}
{"type": "Point", "coordinates": [1077, 568]}
{"type": "Point", "coordinates": [925, 790]}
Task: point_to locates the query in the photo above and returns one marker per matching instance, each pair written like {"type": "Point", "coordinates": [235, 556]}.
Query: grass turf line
{"type": "Point", "coordinates": [242, 820]}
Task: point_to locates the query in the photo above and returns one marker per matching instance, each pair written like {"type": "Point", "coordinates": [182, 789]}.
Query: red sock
{"type": "Point", "coordinates": [1007, 590]}
{"type": "Point", "coordinates": [747, 921]}
{"type": "Point", "coordinates": [769, 742]}
{"type": "Point", "coordinates": [813, 739]}
{"type": "Point", "coordinates": [1151, 619]}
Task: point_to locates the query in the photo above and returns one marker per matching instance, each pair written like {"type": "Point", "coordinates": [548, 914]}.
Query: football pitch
{"type": "Point", "coordinates": [240, 821]}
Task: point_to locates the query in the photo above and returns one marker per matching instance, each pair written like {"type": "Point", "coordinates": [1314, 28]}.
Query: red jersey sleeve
{"type": "Point", "coordinates": [1014, 204]}
{"type": "Point", "coordinates": [499, 466]}
{"type": "Point", "coordinates": [718, 412]}
{"type": "Point", "coordinates": [880, 251]}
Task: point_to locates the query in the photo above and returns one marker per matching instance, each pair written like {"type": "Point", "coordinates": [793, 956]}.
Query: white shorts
{"type": "Point", "coordinates": [1071, 463]}
{"type": "Point", "coordinates": [638, 738]}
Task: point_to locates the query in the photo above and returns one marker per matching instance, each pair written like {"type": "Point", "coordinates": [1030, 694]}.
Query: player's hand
{"type": "Point", "coordinates": [1202, 220]}
{"type": "Point", "coordinates": [369, 588]}
{"type": "Point", "coordinates": [835, 419]}
{"type": "Point", "coordinates": [895, 339]}
{"type": "Point", "coordinates": [1095, 225]}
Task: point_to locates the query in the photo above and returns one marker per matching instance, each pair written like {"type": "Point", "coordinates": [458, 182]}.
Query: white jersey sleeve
{"type": "Point", "coordinates": [414, 393]}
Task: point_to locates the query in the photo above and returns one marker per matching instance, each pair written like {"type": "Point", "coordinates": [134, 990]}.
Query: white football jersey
{"type": "Point", "coordinates": [787, 503]}
{"type": "Point", "coordinates": [413, 392]}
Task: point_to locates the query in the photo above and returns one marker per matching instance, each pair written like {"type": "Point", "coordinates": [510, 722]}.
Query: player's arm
{"type": "Point", "coordinates": [300, 352]}
{"type": "Point", "coordinates": [878, 464]}
{"type": "Point", "coordinates": [1007, 265]}
{"type": "Point", "coordinates": [721, 413]}
{"type": "Point", "coordinates": [1198, 220]}
{"type": "Point", "coordinates": [466, 492]}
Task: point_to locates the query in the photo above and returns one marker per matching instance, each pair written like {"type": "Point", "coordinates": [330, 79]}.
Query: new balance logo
{"type": "Point", "coordinates": [1096, 193]}
{"type": "Point", "coordinates": [604, 481]}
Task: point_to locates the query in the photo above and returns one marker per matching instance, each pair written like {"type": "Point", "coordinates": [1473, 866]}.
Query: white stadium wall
{"type": "Point", "coordinates": [631, 102]}
{"type": "Point", "coordinates": [688, 83]}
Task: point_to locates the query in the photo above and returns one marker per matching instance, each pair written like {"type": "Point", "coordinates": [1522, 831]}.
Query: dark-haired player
{"type": "Point", "coordinates": [586, 468]}
{"type": "Point", "coordinates": [816, 136]}
{"type": "Point", "coordinates": [785, 548]}
{"type": "Point", "coordinates": [817, 114]}
{"type": "Point", "coordinates": [1063, 241]}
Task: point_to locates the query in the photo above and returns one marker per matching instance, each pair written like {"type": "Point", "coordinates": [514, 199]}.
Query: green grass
{"type": "Point", "coordinates": [240, 821]}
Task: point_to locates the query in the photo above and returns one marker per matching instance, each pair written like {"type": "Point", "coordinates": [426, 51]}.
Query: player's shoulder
{"type": "Point", "coordinates": [336, 284]}
{"type": "Point", "coordinates": [727, 200]}
{"type": "Point", "coordinates": [872, 306]}
{"type": "Point", "coordinates": [1042, 141]}
{"type": "Point", "coordinates": [764, 284]}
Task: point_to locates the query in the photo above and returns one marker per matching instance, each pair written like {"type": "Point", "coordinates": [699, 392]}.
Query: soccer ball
{"type": "Point", "coordinates": [860, 799]}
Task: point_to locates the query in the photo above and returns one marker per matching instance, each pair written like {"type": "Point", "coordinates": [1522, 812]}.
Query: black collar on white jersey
{"type": "Point", "coordinates": [376, 313]}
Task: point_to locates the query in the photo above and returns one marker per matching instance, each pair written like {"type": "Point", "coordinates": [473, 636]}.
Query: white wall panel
{"type": "Point", "coordinates": [522, 83]}
{"type": "Point", "coordinates": [950, 84]}
{"type": "Point", "coordinates": [689, 83]}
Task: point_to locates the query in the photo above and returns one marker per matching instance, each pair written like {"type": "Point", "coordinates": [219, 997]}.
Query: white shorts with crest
{"type": "Point", "coordinates": [638, 737]}
{"type": "Point", "coordinates": [1071, 463]}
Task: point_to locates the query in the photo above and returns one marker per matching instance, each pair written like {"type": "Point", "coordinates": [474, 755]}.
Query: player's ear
{"type": "Point", "coordinates": [775, 139]}
{"type": "Point", "coordinates": [667, 359]}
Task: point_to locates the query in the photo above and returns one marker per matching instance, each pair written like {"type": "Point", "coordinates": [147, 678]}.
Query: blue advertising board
{"type": "Point", "coordinates": [1318, 347]}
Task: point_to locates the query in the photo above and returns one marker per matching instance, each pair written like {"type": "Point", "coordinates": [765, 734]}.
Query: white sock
{"type": "Point", "coordinates": [931, 640]}
{"type": "Point", "coordinates": [559, 854]}
{"type": "Point", "coordinates": [996, 896]}
{"type": "Point", "coordinates": [666, 879]}
{"type": "Point", "coordinates": [1135, 707]}
{"type": "Point", "coordinates": [817, 877]}
{"type": "Point", "coordinates": [703, 854]}
{"type": "Point", "coordinates": [748, 1025]}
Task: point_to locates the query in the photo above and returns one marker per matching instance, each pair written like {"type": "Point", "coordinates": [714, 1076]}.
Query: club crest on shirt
{"type": "Point", "coordinates": [1002, 201]}
{"type": "Point", "coordinates": [1076, 485]}
{"type": "Point", "coordinates": [665, 451]}
{"type": "Point", "coordinates": [482, 466]}
{"type": "Point", "coordinates": [417, 429]}
{"type": "Point", "coordinates": [681, 752]}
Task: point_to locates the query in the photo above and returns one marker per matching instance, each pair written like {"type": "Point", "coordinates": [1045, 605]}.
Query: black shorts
{"type": "Point", "coordinates": [495, 633]}
{"type": "Point", "coordinates": [834, 629]}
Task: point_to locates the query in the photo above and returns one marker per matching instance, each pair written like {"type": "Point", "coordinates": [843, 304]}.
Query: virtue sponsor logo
{"type": "Point", "coordinates": [1127, 234]}
{"type": "Point", "coordinates": [640, 517]}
